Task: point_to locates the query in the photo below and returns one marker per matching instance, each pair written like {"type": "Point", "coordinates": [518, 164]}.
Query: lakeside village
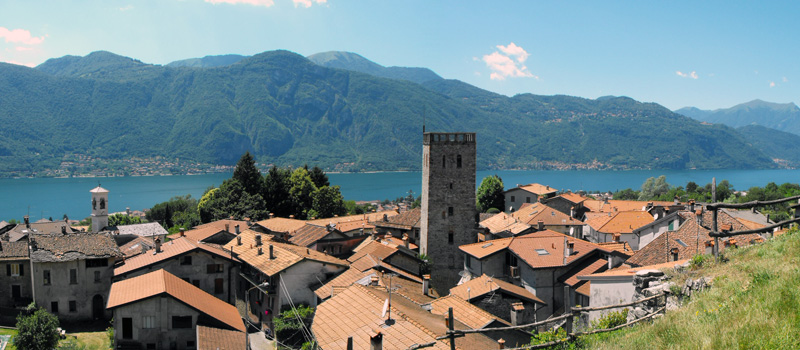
{"type": "Point", "coordinates": [386, 279]}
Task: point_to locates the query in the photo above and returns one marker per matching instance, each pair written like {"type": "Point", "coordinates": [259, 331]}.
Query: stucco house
{"type": "Point", "coordinates": [530, 193]}
{"type": "Point", "coordinates": [15, 278]}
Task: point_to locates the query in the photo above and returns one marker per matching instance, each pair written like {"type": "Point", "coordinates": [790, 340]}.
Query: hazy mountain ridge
{"type": "Point", "coordinates": [208, 61]}
{"type": "Point", "coordinates": [780, 116]}
{"type": "Point", "coordinates": [288, 110]}
{"type": "Point", "coordinates": [356, 62]}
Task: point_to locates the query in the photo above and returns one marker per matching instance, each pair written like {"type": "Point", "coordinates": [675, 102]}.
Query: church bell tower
{"type": "Point", "coordinates": [99, 208]}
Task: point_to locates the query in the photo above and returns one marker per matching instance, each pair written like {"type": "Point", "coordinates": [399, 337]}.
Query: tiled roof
{"type": "Point", "coordinates": [355, 225]}
{"type": "Point", "coordinates": [136, 246]}
{"type": "Point", "coordinates": [13, 250]}
{"type": "Point", "coordinates": [396, 242]}
{"type": "Point", "coordinates": [309, 234]}
{"type": "Point", "coordinates": [502, 222]}
{"type": "Point", "coordinates": [20, 231]}
{"type": "Point", "coordinates": [525, 247]}
{"type": "Point", "coordinates": [220, 224]}
{"type": "Point", "coordinates": [161, 282]}
{"type": "Point", "coordinates": [584, 288]}
{"type": "Point", "coordinates": [248, 238]}
{"type": "Point", "coordinates": [484, 284]}
{"type": "Point", "coordinates": [627, 270]}
{"type": "Point", "coordinates": [573, 197]}
{"type": "Point", "coordinates": [622, 247]}
{"type": "Point", "coordinates": [596, 205]}
{"type": "Point", "coordinates": [198, 234]}
{"type": "Point", "coordinates": [365, 262]}
{"type": "Point", "coordinates": [169, 250]}
{"type": "Point", "coordinates": [408, 219]}
{"type": "Point", "coordinates": [532, 214]}
{"type": "Point", "coordinates": [481, 250]}
{"type": "Point", "coordinates": [282, 225]}
{"type": "Point", "coordinates": [409, 288]}
{"type": "Point", "coordinates": [144, 230]}
{"type": "Point", "coordinates": [356, 312]}
{"type": "Point", "coordinates": [56, 248]}
{"type": "Point", "coordinates": [693, 235]}
{"type": "Point", "coordinates": [358, 217]}
{"type": "Point", "coordinates": [586, 268]}
{"type": "Point", "coordinates": [285, 255]}
{"type": "Point", "coordinates": [344, 280]}
{"type": "Point", "coordinates": [625, 222]}
{"type": "Point", "coordinates": [374, 248]}
{"type": "Point", "coordinates": [536, 189]}
{"type": "Point", "coordinates": [471, 315]}
{"type": "Point", "coordinates": [209, 338]}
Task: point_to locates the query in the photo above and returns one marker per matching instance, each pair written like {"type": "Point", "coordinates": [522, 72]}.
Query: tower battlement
{"type": "Point", "coordinates": [448, 137]}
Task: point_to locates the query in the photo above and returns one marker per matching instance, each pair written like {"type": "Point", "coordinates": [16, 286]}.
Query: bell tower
{"type": "Point", "coordinates": [448, 212]}
{"type": "Point", "coordinates": [99, 208]}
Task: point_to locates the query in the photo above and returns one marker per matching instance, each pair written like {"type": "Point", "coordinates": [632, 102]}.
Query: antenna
{"type": "Point", "coordinates": [424, 108]}
{"type": "Point", "coordinates": [387, 306]}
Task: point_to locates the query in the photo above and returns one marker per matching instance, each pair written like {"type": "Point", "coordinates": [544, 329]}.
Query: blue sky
{"type": "Point", "coordinates": [708, 54]}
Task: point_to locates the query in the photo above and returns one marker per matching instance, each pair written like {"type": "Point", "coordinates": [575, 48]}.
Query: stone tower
{"type": "Point", "coordinates": [448, 203]}
{"type": "Point", "coordinates": [99, 208]}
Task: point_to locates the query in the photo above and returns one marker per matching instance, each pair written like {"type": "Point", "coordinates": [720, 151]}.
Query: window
{"type": "Point", "coordinates": [179, 322]}
{"type": "Point", "coordinates": [671, 226]}
{"type": "Point", "coordinates": [196, 283]}
{"type": "Point", "coordinates": [513, 199]}
{"type": "Point", "coordinates": [151, 346]}
{"type": "Point", "coordinates": [214, 268]}
{"type": "Point", "coordinates": [46, 277]}
{"type": "Point", "coordinates": [73, 276]}
{"type": "Point", "coordinates": [444, 161]}
{"type": "Point", "coordinates": [186, 260]}
{"type": "Point", "coordinates": [468, 261]}
{"type": "Point", "coordinates": [148, 322]}
{"type": "Point", "coordinates": [54, 307]}
{"type": "Point", "coordinates": [527, 199]}
{"type": "Point", "coordinates": [218, 286]}
{"type": "Point", "coordinates": [451, 185]}
{"type": "Point", "coordinates": [449, 211]}
{"type": "Point", "coordinates": [458, 161]}
{"type": "Point", "coordinates": [15, 270]}
{"type": "Point", "coordinates": [450, 237]}
{"type": "Point", "coordinates": [73, 306]}
{"type": "Point", "coordinates": [190, 344]}
{"type": "Point", "coordinates": [97, 276]}
{"type": "Point", "coordinates": [96, 262]}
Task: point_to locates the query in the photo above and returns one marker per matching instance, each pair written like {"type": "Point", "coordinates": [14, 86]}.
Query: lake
{"type": "Point", "coordinates": [54, 197]}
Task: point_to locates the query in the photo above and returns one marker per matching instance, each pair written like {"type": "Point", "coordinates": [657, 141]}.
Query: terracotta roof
{"type": "Point", "coordinates": [282, 225]}
{"type": "Point", "coordinates": [596, 205]}
{"type": "Point", "coordinates": [136, 246]}
{"type": "Point", "coordinates": [358, 217]}
{"type": "Point", "coordinates": [198, 234]}
{"type": "Point", "coordinates": [586, 268]}
{"type": "Point", "coordinates": [220, 224]}
{"type": "Point", "coordinates": [344, 280]}
{"type": "Point", "coordinates": [627, 270]}
{"type": "Point", "coordinates": [161, 282]}
{"type": "Point", "coordinates": [56, 248]}
{"type": "Point", "coordinates": [622, 247]}
{"type": "Point", "coordinates": [169, 250]}
{"type": "Point", "coordinates": [750, 225]}
{"type": "Point", "coordinates": [625, 222]}
{"type": "Point", "coordinates": [408, 219]}
{"type": "Point", "coordinates": [481, 250]}
{"type": "Point", "coordinates": [13, 250]}
{"type": "Point", "coordinates": [693, 235]}
{"type": "Point", "coordinates": [396, 242]}
{"type": "Point", "coordinates": [532, 214]}
{"type": "Point", "coordinates": [536, 189]}
{"type": "Point", "coordinates": [356, 312]}
{"type": "Point", "coordinates": [145, 230]}
{"type": "Point", "coordinates": [471, 315]}
{"type": "Point", "coordinates": [584, 288]}
{"type": "Point", "coordinates": [573, 197]}
{"type": "Point", "coordinates": [20, 231]}
{"type": "Point", "coordinates": [376, 249]}
{"type": "Point", "coordinates": [409, 288]}
{"type": "Point", "coordinates": [309, 234]}
{"type": "Point", "coordinates": [484, 284]}
{"type": "Point", "coordinates": [209, 338]}
{"type": "Point", "coordinates": [525, 247]}
{"type": "Point", "coordinates": [285, 255]}
{"type": "Point", "coordinates": [502, 222]}
{"type": "Point", "coordinates": [365, 262]}
{"type": "Point", "coordinates": [355, 225]}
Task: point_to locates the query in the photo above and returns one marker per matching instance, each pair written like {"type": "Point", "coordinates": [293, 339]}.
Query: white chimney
{"type": "Point", "coordinates": [158, 245]}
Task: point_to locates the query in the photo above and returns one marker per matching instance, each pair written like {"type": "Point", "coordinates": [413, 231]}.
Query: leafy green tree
{"type": "Point", "coordinates": [123, 219]}
{"type": "Point", "coordinates": [248, 175]}
{"type": "Point", "coordinates": [691, 187]}
{"type": "Point", "coordinates": [276, 191]}
{"type": "Point", "coordinates": [490, 194]}
{"type": "Point", "coordinates": [318, 177]}
{"type": "Point", "coordinates": [626, 194]}
{"type": "Point", "coordinates": [38, 331]}
{"type": "Point", "coordinates": [289, 325]}
{"type": "Point", "coordinates": [355, 209]}
{"type": "Point", "coordinates": [230, 199]}
{"type": "Point", "coordinates": [164, 212]}
{"type": "Point", "coordinates": [301, 190]}
{"type": "Point", "coordinates": [652, 188]}
{"type": "Point", "coordinates": [328, 201]}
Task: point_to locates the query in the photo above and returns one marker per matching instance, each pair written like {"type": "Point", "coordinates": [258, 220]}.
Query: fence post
{"type": "Point", "coordinates": [568, 310]}
{"type": "Point", "coordinates": [450, 326]}
{"type": "Point", "coordinates": [714, 228]}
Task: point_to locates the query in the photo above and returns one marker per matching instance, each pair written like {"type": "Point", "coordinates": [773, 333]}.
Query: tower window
{"type": "Point", "coordinates": [451, 185]}
{"type": "Point", "coordinates": [102, 203]}
{"type": "Point", "coordinates": [449, 211]}
{"type": "Point", "coordinates": [458, 161]}
{"type": "Point", "coordinates": [450, 237]}
{"type": "Point", "coordinates": [513, 199]}
{"type": "Point", "coordinates": [444, 161]}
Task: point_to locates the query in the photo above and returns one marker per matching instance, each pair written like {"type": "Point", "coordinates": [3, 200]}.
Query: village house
{"type": "Point", "coordinates": [502, 225]}
{"type": "Point", "coordinates": [404, 223]}
{"type": "Point", "coordinates": [530, 193]}
{"type": "Point", "coordinates": [647, 233]}
{"type": "Point", "coordinates": [326, 239]}
{"type": "Point", "coordinates": [542, 262]}
{"type": "Point", "coordinates": [159, 310]}
{"type": "Point", "coordinates": [616, 226]}
{"type": "Point", "coordinates": [542, 217]}
{"type": "Point", "coordinates": [15, 279]}
{"type": "Point", "coordinates": [27, 229]}
{"type": "Point", "coordinates": [151, 230]}
{"type": "Point", "coordinates": [72, 273]}
{"type": "Point", "coordinates": [568, 203]}
{"type": "Point", "coordinates": [210, 235]}
{"type": "Point", "coordinates": [207, 267]}
{"type": "Point", "coordinates": [506, 301]}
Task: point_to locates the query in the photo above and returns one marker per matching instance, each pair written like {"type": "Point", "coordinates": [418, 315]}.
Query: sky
{"type": "Point", "coordinates": [706, 54]}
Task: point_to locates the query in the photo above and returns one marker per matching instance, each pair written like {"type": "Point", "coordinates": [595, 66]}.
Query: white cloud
{"type": "Point", "coordinates": [265, 3]}
{"type": "Point", "coordinates": [692, 75]}
{"type": "Point", "coordinates": [307, 3]}
{"type": "Point", "coordinates": [19, 36]}
{"type": "Point", "coordinates": [126, 8]}
{"type": "Point", "coordinates": [503, 66]}
{"type": "Point", "coordinates": [31, 65]}
{"type": "Point", "coordinates": [772, 84]}
{"type": "Point", "coordinates": [23, 48]}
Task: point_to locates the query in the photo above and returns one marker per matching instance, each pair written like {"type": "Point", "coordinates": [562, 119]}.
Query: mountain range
{"type": "Point", "coordinates": [779, 116]}
{"type": "Point", "coordinates": [336, 110]}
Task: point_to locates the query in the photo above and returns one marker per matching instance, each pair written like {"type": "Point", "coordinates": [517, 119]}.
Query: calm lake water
{"type": "Point", "coordinates": [44, 198]}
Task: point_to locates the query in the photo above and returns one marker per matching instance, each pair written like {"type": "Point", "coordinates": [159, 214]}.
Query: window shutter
{"type": "Point", "coordinates": [22, 269]}
{"type": "Point", "coordinates": [8, 269]}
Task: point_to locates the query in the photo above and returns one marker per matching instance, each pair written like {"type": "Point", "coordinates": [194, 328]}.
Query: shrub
{"type": "Point", "coordinates": [37, 332]}
{"type": "Point", "coordinates": [611, 319]}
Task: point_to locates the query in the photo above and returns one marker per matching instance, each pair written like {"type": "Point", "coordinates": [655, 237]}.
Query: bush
{"type": "Point", "coordinates": [611, 319]}
{"type": "Point", "coordinates": [37, 332]}
{"type": "Point", "coordinates": [698, 261]}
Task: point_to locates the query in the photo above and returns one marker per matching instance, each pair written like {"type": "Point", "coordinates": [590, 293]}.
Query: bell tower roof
{"type": "Point", "coordinates": [98, 189]}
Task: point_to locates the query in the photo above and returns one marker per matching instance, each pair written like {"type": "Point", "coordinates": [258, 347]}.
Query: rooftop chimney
{"type": "Point", "coordinates": [405, 240]}
{"type": "Point", "coordinates": [238, 240]}
{"type": "Point", "coordinates": [236, 229]}
{"type": "Point", "coordinates": [570, 248]}
{"type": "Point", "coordinates": [258, 240]}
{"type": "Point", "coordinates": [227, 228]}
{"type": "Point", "coordinates": [271, 252]}
{"type": "Point", "coordinates": [540, 225]}
{"type": "Point", "coordinates": [291, 216]}
{"type": "Point", "coordinates": [376, 341]}
{"type": "Point", "coordinates": [183, 232]}
{"type": "Point", "coordinates": [426, 284]}
{"type": "Point", "coordinates": [27, 221]}
{"type": "Point", "coordinates": [63, 230]}
{"type": "Point", "coordinates": [501, 344]}
{"type": "Point", "coordinates": [373, 281]}
{"type": "Point", "coordinates": [271, 215]}
{"type": "Point", "coordinates": [158, 245]}
{"type": "Point", "coordinates": [260, 251]}
{"type": "Point", "coordinates": [516, 313]}
{"type": "Point", "coordinates": [615, 237]}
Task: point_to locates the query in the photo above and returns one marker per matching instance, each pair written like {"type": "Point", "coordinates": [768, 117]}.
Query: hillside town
{"type": "Point", "coordinates": [388, 279]}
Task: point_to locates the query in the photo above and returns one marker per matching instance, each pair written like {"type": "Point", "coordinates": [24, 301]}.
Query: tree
{"type": "Point", "coordinates": [164, 212]}
{"type": "Point", "coordinates": [276, 191]}
{"type": "Point", "coordinates": [652, 188]}
{"type": "Point", "coordinates": [626, 194]}
{"type": "Point", "coordinates": [318, 177]}
{"type": "Point", "coordinates": [301, 188]}
{"type": "Point", "coordinates": [37, 332]}
{"type": "Point", "coordinates": [289, 324]}
{"type": "Point", "coordinates": [248, 175]}
{"type": "Point", "coordinates": [328, 201]}
{"type": "Point", "coordinates": [123, 219]}
{"type": "Point", "coordinates": [230, 199]}
{"type": "Point", "coordinates": [490, 194]}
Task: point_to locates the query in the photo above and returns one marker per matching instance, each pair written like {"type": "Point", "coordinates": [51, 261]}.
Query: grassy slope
{"type": "Point", "coordinates": [754, 304]}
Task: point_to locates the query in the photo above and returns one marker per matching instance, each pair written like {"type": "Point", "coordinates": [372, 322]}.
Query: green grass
{"type": "Point", "coordinates": [86, 341]}
{"type": "Point", "coordinates": [4, 331]}
{"type": "Point", "coordinates": [754, 303]}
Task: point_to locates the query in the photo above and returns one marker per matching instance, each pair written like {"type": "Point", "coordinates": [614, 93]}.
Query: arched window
{"type": "Point", "coordinates": [94, 203]}
{"type": "Point", "coordinates": [458, 161]}
{"type": "Point", "coordinates": [444, 161]}
{"type": "Point", "coordinates": [102, 203]}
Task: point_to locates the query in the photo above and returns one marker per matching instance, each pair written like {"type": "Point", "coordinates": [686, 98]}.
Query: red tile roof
{"type": "Point", "coordinates": [161, 282]}
{"type": "Point", "coordinates": [536, 189]}
{"type": "Point", "coordinates": [585, 268]}
{"type": "Point", "coordinates": [535, 212]}
{"type": "Point", "coordinates": [551, 242]}
{"type": "Point", "coordinates": [209, 338]}
{"type": "Point", "coordinates": [169, 250]}
{"type": "Point", "coordinates": [484, 284]}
